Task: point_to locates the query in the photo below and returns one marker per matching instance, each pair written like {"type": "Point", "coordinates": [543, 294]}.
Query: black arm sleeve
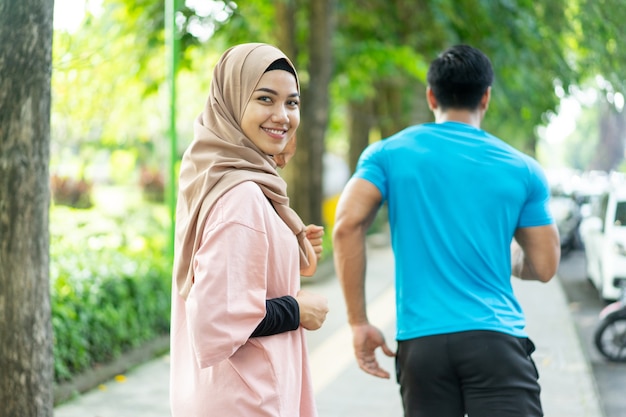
{"type": "Point", "coordinates": [281, 315]}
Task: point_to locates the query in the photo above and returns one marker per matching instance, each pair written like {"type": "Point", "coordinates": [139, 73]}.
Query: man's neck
{"type": "Point", "coordinates": [472, 118]}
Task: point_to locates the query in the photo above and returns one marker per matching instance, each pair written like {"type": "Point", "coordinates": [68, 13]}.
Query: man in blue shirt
{"type": "Point", "coordinates": [466, 211]}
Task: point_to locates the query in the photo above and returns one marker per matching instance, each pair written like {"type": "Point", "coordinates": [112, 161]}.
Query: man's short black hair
{"type": "Point", "coordinates": [459, 77]}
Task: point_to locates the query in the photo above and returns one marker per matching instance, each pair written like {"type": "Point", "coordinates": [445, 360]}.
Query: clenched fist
{"type": "Point", "coordinates": [314, 234]}
{"type": "Point", "coordinates": [313, 309]}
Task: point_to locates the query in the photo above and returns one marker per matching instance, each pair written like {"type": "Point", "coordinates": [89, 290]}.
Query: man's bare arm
{"type": "Point", "coordinates": [357, 208]}
{"type": "Point", "coordinates": [535, 253]}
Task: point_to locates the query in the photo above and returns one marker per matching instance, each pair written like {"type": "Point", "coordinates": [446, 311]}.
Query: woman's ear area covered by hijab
{"type": "Point", "coordinates": [290, 150]}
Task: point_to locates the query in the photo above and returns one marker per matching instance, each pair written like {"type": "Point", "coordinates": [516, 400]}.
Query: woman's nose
{"type": "Point", "coordinates": [280, 115]}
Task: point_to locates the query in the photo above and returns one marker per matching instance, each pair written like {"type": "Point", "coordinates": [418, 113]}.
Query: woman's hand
{"type": "Point", "coordinates": [314, 234]}
{"type": "Point", "coordinates": [313, 242]}
{"type": "Point", "coordinates": [313, 309]}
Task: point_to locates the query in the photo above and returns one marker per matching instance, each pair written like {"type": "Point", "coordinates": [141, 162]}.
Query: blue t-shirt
{"type": "Point", "coordinates": [455, 196]}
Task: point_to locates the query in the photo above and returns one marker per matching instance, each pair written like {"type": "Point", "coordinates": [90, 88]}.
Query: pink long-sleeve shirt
{"type": "Point", "coordinates": [247, 255]}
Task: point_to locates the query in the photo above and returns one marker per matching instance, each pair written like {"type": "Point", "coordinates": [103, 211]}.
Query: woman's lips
{"type": "Point", "coordinates": [275, 133]}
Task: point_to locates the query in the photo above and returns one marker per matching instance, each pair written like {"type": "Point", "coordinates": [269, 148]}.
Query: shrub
{"type": "Point", "coordinates": [110, 289]}
{"type": "Point", "coordinates": [67, 191]}
{"type": "Point", "coordinates": [152, 183]}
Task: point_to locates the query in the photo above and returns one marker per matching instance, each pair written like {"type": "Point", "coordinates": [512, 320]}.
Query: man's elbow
{"type": "Point", "coordinates": [339, 230]}
{"type": "Point", "coordinates": [344, 228]}
{"type": "Point", "coordinates": [550, 267]}
{"type": "Point", "coordinates": [546, 277]}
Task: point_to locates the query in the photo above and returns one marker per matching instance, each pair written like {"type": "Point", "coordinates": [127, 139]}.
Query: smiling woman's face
{"type": "Point", "coordinates": [272, 115]}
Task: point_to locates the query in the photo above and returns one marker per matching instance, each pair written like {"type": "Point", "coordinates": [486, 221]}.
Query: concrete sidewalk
{"type": "Point", "coordinates": [568, 388]}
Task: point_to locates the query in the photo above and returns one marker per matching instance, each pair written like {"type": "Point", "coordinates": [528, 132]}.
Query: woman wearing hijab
{"type": "Point", "coordinates": [238, 315]}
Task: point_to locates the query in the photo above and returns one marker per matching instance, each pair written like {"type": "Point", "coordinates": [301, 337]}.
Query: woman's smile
{"type": "Point", "coordinates": [272, 114]}
{"type": "Point", "coordinates": [275, 133]}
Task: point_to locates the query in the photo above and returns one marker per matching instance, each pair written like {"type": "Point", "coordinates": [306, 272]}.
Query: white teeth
{"type": "Point", "coordinates": [275, 131]}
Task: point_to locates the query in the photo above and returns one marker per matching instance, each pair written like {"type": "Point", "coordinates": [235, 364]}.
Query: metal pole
{"type": "Point", "coordinates": [172, 55]}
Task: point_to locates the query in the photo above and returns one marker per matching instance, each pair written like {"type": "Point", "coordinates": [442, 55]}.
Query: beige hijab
{"type": "Point", "coordinates": [221, 157]}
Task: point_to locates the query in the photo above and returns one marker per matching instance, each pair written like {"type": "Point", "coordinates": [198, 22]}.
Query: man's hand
{"type": "Point", "coordinates": [313, 309]}
{"type": "Point", "coordinates": [366, 338]}
{"type": "Point", "coordinates": [314, 234]}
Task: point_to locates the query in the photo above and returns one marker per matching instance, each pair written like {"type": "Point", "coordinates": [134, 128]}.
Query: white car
{"type": "Point", "coordinates": [604, 237]}
{"type": "Point", "coordinates": [567, 216]}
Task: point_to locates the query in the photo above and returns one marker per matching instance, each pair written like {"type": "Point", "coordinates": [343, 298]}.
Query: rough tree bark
{"type": "Point", "coordinates": [286, 32]}
{"type": "Point", "coordinates": [361, 119]}
{"type": "Point", "coordinates": [26, 358]}
{"type": "Point", "coordinates": [609, 153]}
{"type": "Point", "coordinates": [304, 172]}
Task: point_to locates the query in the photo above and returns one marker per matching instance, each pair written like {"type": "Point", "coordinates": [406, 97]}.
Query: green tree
{"type": "Point", "coordinates": [306, 190]}
{"type": "Point", "coordinates": [362, 66]}
{"type": "Point", "coordinates": [580, 146]}
{"type": "Point", "coordinates": [381, 70]}
{"type": "Point", "coordinates": [109, 83]}
{"type": "Point", "coordinates": [595, 42]}
{"type": "Point", "coordinates": [609, 152]}
{"type": "Point", "coordinates": [525, 41]}
{"type": "Point", "coordinates": [26, 360]}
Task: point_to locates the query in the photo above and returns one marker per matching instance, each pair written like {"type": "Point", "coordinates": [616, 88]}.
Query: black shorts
{"type": "Point", "coordinates": [478, 373]}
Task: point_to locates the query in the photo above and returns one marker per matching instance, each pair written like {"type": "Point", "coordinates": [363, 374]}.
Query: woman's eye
{"type": "Point", "coordinates": [293, 103]}
{"type": "Point", "coordinates": [265, 99]}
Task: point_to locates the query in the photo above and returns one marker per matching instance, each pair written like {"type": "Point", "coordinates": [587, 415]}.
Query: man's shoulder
{"type": "Point", "coordinates": [417, 129]}
{"type": "Point", "coordinates": [409, 133]}
{"type": "Point", "coordinates": [522, 161]}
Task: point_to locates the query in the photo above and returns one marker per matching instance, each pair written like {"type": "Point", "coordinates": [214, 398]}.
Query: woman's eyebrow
{"type": "Point", "coordinates": [270, 91]}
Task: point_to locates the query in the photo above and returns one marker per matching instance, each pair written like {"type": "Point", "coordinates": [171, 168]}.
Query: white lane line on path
{"type": "Point", "coordinates": [335, 354]}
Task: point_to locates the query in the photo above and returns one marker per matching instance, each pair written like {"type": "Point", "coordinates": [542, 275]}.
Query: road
{"type": "Point", "coordinates": [585, 305]}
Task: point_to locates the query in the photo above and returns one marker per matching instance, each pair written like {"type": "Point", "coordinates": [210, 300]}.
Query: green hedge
{"type": "Point", "coordinates": [110, 291]}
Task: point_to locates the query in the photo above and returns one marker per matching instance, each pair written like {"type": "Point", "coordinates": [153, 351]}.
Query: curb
{"type": "Point", "coordinates": [99, 374]}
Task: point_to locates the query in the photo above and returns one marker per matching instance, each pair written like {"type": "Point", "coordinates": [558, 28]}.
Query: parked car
{"type": "Point", "coordinates": [603, 234]}
{"type": "Point", "coordinates": [566, 213]}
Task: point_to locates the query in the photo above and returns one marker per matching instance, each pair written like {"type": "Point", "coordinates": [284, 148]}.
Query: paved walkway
{"type": "Point", "coordinates": [568, 388]}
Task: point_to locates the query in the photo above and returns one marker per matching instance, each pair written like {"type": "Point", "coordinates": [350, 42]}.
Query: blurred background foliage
{"type": "Point", "coordinates": [558, 95]}
{"type": "Point", "coordinates": [109, 79]}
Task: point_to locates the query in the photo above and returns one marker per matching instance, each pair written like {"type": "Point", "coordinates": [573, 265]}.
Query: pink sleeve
{"type": "Point", "coordinates": [227, 300]}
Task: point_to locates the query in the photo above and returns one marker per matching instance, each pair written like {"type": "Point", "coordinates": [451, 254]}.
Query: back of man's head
{"type": "Point", "coordinates": [459, 77]}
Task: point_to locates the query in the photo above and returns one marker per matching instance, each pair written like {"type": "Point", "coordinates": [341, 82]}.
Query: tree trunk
{"type": "Point", "coordinates": [305, 183]}
{"type": "Point", "coordinates": [610, 151]}
{"type": "Point", "coordinates": [26, 358]}
{"type": "Point", "coordinates": [392, 110]}
{"type": "Point", "coordinates": [420, 112]}
{"type": "Point", "coordinates": [286, 32]}
{"type": "Point", "coordinates": [388, 107]}
{"type": "Point", "coordinates": [361, 119]}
